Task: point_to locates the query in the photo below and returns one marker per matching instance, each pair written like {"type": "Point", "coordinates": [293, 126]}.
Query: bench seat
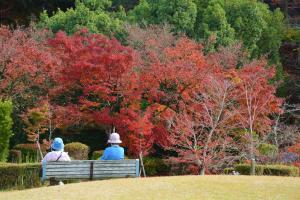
{"type": "Point", "coordinates": [90, 169]}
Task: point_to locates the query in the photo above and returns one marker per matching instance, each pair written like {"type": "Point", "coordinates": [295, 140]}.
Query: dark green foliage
{"type": "Point", "coordinates": [30, 152]}
{"type": "Point", "coordinates": [219, 22]}
{"type": "Point", "coordinates": [126, 4]}
{"type": "Point", "coordinates": [244, 169]}
{"type": "Point", "coordinates": [21, 12]}
{"type": "Point", "coordinates": [77, 151]}
{"type": "Point", "coordinates": [267, 149]}
{"type": "Point", "coordinates": [6, 123]}
{"type": "Point", "coordinates": [19, 176]}
{"type": "Point", "coordinates": [181, 14]}
{"type": "Point", "coordinates": [281, 170]}
{"type": "Point", "coordinates": [15, 156]}
{"type": "Point", "coordinates": [155, 166]}
{"type": "Point", "coordinates": [273, 170]}
{"type": "Point", "coordinates": [215, 26]}
{"type": "Point", "coordinates": [292, 35]}
{"type": "Point", "coordinates": [97, 154]}
{"type": "Point", "coordinates": [94, 137]}
{"type": "Point", "coordinates": [91, 14]}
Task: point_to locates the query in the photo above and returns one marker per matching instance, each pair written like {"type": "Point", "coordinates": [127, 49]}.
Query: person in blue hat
{"type": "Point", "coordinates": [114, 152]}
{"type": "Point", "coordinates": [57, 152]}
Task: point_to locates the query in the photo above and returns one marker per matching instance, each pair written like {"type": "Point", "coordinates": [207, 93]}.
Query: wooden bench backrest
{"type": "Point", "coordinates": [90, 169]}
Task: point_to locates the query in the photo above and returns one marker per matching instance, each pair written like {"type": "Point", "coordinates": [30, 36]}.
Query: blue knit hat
{"type": "Point", "coordinates": [58, 144]}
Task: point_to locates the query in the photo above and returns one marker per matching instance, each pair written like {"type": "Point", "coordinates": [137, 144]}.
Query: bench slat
{"type": "Point", "coordinates": [95, 161]}
{"type": "Point", "coordinates": [82, 169]}
{"type": "Point", "coordinates": [85, 166]}
{"type": "Point", "coordinates": [86, 173]}
{"type": "Point", "coordinates": [82, 176]}
{"type": "Point", "coordinates": [88, 170]}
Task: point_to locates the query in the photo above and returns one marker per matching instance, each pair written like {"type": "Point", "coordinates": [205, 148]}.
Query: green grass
{"type": "Point", "coordinates": [173, 188]}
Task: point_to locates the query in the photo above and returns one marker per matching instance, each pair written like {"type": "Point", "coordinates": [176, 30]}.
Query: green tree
{"type": "Point", "coordinates": [6, 123]}
{"type": "Point", "coordinates": [127, 4]}
{"type": "Point", "coordinates": [91, 14]}
{"type": "Point", "coordinates": [215, 24]}
{"type": "Point", "coordinates": [142, 14]}
{"type": "Point", "coordinates": [251, 22]}
{"type": "Point", "coordinates": [181, 14]}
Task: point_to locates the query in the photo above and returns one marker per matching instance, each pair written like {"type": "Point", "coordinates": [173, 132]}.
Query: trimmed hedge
{"type": "Point", "coordinates": [155, 166]}
{"type": "Point", "coordinates": [19, 176]}
{"type": "Point", "coordinates": [292, 35]}
{"type": "Point", "coordinates": [267, 149]}
{"type": "Point", "coordinates": [272, 170]}
{"type": "Point", "coordinates": [281, 170]}
{"type": "Point", "coordinates": [228, 170]}
{"type": "Point", "coordinates": [244, 169]}
{"type": "Point", "coordinates": [77, 150]}
{"type": "Point", "coordinates": [30, 152]}
{"type": "Point", "coordinates": [15, 156]}
{"type": "Point", "coordinates": [97, 154]}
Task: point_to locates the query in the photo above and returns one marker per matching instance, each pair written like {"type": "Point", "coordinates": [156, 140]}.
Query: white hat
{"type": "Point", "coordinates": [114, 138]}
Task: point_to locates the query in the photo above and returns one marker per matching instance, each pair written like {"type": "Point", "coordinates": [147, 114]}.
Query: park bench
{"type": "Point", "coordinates": [90, 169]}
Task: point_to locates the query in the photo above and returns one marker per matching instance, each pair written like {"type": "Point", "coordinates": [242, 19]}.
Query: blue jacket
{"type": "Point", "coordinates": [115, 152]}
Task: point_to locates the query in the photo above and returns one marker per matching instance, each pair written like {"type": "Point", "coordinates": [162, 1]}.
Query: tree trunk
{"type": "Point", "coordinates": [142, 164]}
{"type": "Point", "coordinates": [252, 157]}
{"type": "Point", "coordinates": [200, 166]}
{"type": "Point", "coordinates": [252, 172]}
{"type": "Point", "coordinates": [202, 171]}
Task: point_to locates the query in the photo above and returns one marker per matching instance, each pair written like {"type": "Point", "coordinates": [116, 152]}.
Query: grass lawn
{"type": "Point", "coordinates": [173, 188]}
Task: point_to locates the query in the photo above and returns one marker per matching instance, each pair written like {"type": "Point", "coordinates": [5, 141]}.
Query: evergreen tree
{"type": "Point", "coordinates": [6, 123]}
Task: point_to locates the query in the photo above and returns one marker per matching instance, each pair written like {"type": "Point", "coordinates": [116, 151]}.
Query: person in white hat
{"type": "Point", "coordinates": [114, 152]}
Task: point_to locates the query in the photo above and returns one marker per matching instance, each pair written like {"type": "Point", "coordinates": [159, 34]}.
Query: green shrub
{"type": "Point", "coordinates": [19, 176]}
{"type": "Point", "coordinates": [30, 152]}
{"type": "Point", "coordinates": [155, 166]}
{"type": "Point", "coordinates": [6, 123]}
{"type": "Point", "coordinates": [15, 156]}
{"type": "Point", "coordinates": [273, 170]}
{"type": "Point", "coordinates": [244, 169]}
{"type": "Point", "coordinates": [228, 170]}
{"type": "Point", "coordinates": [77, 150]}
{"type": "Point", "coordinates": [292, 35]}
{"type": "Point", "coordinates": [97, 154]}
{"type": "Point", "coordinates": [267, 149]}
{"type": "Point", "coordinates": [281, 170]}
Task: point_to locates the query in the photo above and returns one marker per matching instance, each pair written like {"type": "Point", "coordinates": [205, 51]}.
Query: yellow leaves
{"type": "Point", "coordinates": [236, 80]}
{"type": "Point", "coordinates": [232, 75]}
{"type": "Point", "coordinates": [161, 108]}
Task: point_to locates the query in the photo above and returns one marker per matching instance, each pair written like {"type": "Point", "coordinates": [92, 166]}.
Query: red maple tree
{"type": "Point", "coordinates": [256, 102]}
{"type": "Point", "coordinates": [25, 66]}
{"type": "Point", "coordinates": [96, 82]}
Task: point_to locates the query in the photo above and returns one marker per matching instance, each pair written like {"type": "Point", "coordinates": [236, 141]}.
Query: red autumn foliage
{"type": "Point", "coordinates": [25, 66]}
{"type": "Point", "coordinates": [167, 92]}
{"type": "Point", "coordinates": [199, 101]}
{"type": "Point", "coordinates": [96, 83]}
{"type": "Point", "coordinates": [257, 101]}
{"type": "Point", "coordinates": [199, 132]}
{"type": "Point", "coordinates": [295, 148]}
{"type": "Point", "coordinates": [97, 80]}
